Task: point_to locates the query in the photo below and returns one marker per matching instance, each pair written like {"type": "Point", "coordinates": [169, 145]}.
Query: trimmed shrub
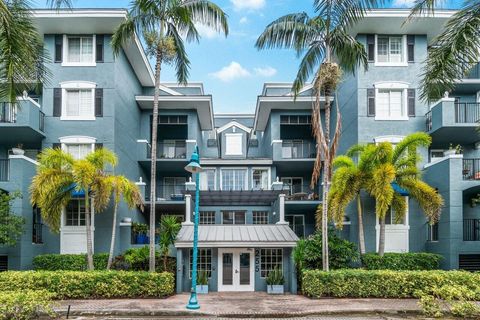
{"type": "Point", "coordinates": [137, 259]}
{"type": "Point", "coordinates": [402, 261]}
{"type": "Point", "coordinates": [90, 284]}
{"type": "Point", "coordinates": [357, 283]}
{"type": "Point", "coordinates": [458, 300]}
{"type": "Point", "coordinates": [24, 305]}
{"type": "Point", "coordinates": [71, 262]}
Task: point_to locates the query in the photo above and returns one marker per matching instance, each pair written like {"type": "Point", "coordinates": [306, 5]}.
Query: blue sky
{"type": "Point", "coordinates": [232, 70]}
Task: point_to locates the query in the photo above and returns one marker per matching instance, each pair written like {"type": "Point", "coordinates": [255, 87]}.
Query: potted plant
{"type": "Point", "coordinates": [453, 150]}
{"type": "Point", "coordinates": [275, 281]}
{"type": "Point", "coordinates": [18, 150]}
{"type": "Point", "coordinates": [140, 231]}
{"type": "Point", "coordinates": [202, 282]}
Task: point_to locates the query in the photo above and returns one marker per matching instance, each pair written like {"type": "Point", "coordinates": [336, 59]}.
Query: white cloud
{"type": "Point", "coordinates": [248, 4]}
{"type": "Point", "coordinates": [403, 3]}
{"type": "Point", "coordinates": [231, 72]}
{"type": "Point", "coordinates": [243, 20]}
{"type": "Point", "coordinates": [266, 71]}
{"type": "Point", "coordinates": [206, 32]}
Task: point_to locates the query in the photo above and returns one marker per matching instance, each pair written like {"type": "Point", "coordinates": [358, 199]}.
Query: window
{"type": "Point", "coordinates": [37, 226]}
{"type": "Point", "coordinates": [204, 261]}
{"type": "Point", "coordinates": [390, 49]}
{"type": "Point", "coordinates": [173, 187]}
{"type": "Point", "coordinates": [269, 260]}
{"type": "Point", "coordinates": [390, 104]}
{"type": "Point", "coordinates": [234, 179]}
{"type": "Point", "coordinates": [80, 50]}
{"type": "Point", "coordinates": [233, 144]}
{"type": "Point", "coordinates": [3, 263]}
{"type": "Point", "coordinates": [207, 217]}
{"type": "Point", "coordinates": [391, 219]}
{"type": "Point", "coordinates": [297, 224]}
{"type": "Point", "coordinates": [78, 100]}
{"type": "Point", "coordinates": [260, 179]}
{"type": "Point", "coordinates": [294, 185]}
{"type": "Point", "coordinates": [260, 217]}
{"type": "Point", "coordinates": [79, 151]}
{"type": "Point", "coordinates": [75, 213]}
{"type": "Point", "coordinates": [233, 217]}
{"type": "Point", "coordinates": [207, 179]}
{"type": "Point", "coordinates": [432, 232]}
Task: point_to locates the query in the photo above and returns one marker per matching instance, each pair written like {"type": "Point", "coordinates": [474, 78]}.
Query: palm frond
{"type": "Point", "coordinates": [182, 63]}
{"type": "Point", "coordinates": [349, 52]}
{"type": "Point", "coordinates": [57, 4]}
{"type": "Point", "coordinates": [343, 161]}
{"type": "Point", "coordinates": [422, 8]}
{"type": "Point", "coordinates": [309, 64]}
{"type": "Point", "coordinates": [123, 33]}
{"type": "Point", "coordinates": [208, 14]}
{"type": "Point", "coordinates": [409, 144]}
{"type": "Point", "coordinates": [426, 196]}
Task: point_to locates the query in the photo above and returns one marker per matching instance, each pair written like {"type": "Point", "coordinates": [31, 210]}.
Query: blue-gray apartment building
{"type": "Point", "coordinates": [255, 198]}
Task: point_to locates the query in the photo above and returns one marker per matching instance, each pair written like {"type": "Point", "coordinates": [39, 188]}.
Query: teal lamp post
{"type": "Point", "coordinates": [195, 168]}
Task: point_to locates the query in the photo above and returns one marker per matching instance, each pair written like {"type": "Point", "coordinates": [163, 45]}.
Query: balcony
{"type": "Point", "coordinates": [452, 122]}
{"type": "Point", "coordinates": [471, 169]}
{"type": "Point", "coordinates": [173, 153]}
{"type": "Point", "coordinates": [167, 192]}
{"type": "Point", "coordinates": [23, 122]}
{"type": "Point", "coordinates": [471, 230]}
{"type": "Point", "coordinates": [300, 151]}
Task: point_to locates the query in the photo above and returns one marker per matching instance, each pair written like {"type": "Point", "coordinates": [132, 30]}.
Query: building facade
{"type": "Point", "coordinates": [255, 195]}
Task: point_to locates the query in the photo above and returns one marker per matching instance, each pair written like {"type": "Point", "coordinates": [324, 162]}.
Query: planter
{"type": "Point", "coordinates": [275, 289]}
{"type": "Point", "coordinates": [140, 238]}
{"type": "Point", "coordinates": [18, 151]}
{"type": "Point", "coordinates": [202, 289]}
{"type": "Point", "coordinates": [147, 240]}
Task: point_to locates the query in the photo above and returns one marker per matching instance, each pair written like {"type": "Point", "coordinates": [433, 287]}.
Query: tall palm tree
{"type": "Point", "coordinates": [58, 174]}
{"type": "Point", "coordinates": [454, 51]}
{"type": "Point", "coordinates": [327, 50]}
{"type": "Point", "coordinates": [164, 25]}
{"type": "Point", "coordinates": [122, 187]}
{"type": "Point", "coordinates": [383, 166]}
{"type": "Point", "coordinates": [169, 228]}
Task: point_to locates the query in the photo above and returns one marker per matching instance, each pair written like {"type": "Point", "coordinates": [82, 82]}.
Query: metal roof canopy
{"type": "Point", "coordinates": [238, 236]}
{"type": "Point", "coordinates": [234, 198]}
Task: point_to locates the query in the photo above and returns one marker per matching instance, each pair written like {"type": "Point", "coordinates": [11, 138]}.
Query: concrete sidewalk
{"type": "Point", "coordinates": [239, 305]}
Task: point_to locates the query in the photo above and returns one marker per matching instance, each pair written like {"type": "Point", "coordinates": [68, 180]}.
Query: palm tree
{"type": "Point", "coordinates": [58, 174]}
{"type": "Point", "coordinates": [383, 166]}
{"type": "Point", "coordinates": [163, 24]}
{"type": "Point", "coordinates": [329, 51]}
{"type": "Point", "coordinates": [169, 229]}
{"type": "Point", "coordinates": [122, 187]}
{"type": "Point", "coordinates": [454, 51]}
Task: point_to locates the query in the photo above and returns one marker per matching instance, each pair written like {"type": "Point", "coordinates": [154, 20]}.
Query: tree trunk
{"type": "Point", "coordinates": [381, 240]}
{"type": "Point", "coordinates": [361, 234]}
{"type": "Point", "coordinates": [114, 232]}
{"type": "Point", "coordinates": [158, 68]}
{"type": "Point", "coordinates": [326, 186]}
{"type": "Point", "coordinates": [88, 224]}
{"type": "Point", "coordinates": [165, 256]}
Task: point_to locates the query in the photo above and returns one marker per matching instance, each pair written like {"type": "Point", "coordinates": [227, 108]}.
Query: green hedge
{"type": "Point", "coordinates": [71, 262]}
{"type": "Point", "coordinates": [401, 261]}
{"type": "Point", "coordinates": [25, 305]}
{"type": "Point", "coordinates": [357, 283]}
{"type": "Point", "coordinates": [90, 284]}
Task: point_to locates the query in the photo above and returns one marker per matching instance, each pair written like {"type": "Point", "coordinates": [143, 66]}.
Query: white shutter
{"type": "Point", "coordinates": [85, 103]}
{"type": "Point", "coordinates": [382, 104]}
{"type": "Point", "coordinates": [233, 144]}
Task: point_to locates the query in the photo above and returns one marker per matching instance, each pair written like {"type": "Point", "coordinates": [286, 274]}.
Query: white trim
{"type": "Point", "coordinates": [304, 89]}
{"type": "Point", "coordinates": [452, 156]}
{"type": "Point", "coordinates": [190, 141]}
{"type": "Point", "coordinates": [233, 168]}
{"type": "Point", "coordinates": [66, 63]}
{"type": "Point", "coordinates": [233, 124]}
{"type": "Point", "coordinates": [276, 141]}
{"type": "Point", "coordinates": [17, 156]}
{"type": "Point", "coordinates": [206, 161]}
{"type": "Point", "coordinates": [78, 85]}
{"type": "Point", "coordinates": [234, 115]}
{"type": "Point", "coordinates": [231, 135]}
{"type": "Point", "coordinates": [238, 244]}
{"type": "Point", "coordinates": [77, 139]}
{"type": "Point", "coordinates": [404, 63]}
{"type": "Point", "coordinates": [35, 103]}
{"type": "Point", "coordinates": [236, 286]}
{"type": "Point", "coordinates": [269, 176]}
{"type": "Point", "coordinates": [396, 228]}
{"type": "Point", "coordinates": [388, 138]}
{"type": "Point", "coordinates": [403, 13]}
{"type": "Point", "coordinates": [168, 90]}
{"type": "Point", "coordinates": [214, 177]}
{"type": "Point", "coordinates": [391, 85]}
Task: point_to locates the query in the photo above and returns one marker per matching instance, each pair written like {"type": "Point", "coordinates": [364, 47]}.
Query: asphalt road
{"type": "Point", "coordinates": [337, 317]}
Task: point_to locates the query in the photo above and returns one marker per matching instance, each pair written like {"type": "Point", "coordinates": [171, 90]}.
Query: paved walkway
{"type": "Point", "coordinates": [231, 305]}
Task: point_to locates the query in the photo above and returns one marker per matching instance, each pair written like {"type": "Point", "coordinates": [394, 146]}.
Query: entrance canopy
{"type": "Point", "coordinates": [238, 236]}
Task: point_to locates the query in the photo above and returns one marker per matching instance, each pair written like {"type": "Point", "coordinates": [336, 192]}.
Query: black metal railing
{"type": "Point", "coordinates": [37, 233]}
{"type": "Point", "coordinates": [292, 149]}
{"type": "Point", "coordinates": [8, 112]}
{"type": "Point", "coordinates": [299, 192]}
{"type": "Point", "coordinates": [169, 150]}
{"type": "Point", "coordinates": [4, 169]}
{"type": "Point", "coordinates": [471, 169]}
{"type": "Point", "coordinates": [41, 121]}
{"type": "Point", "coordinates": [428, 121]}
{"type": "Point", "coordinates": [471, 230]}
{"type": "Point", "coordinates": [467, 112]}
{"type": "Point", "coordinates": [167, 191]}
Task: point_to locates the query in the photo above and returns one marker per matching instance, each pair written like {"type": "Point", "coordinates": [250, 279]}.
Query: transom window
{"type": "Point", "coordinates": [260, 217]}
{"type": "Point", "coordinates": [75, 213]}
{"type": "Point", "coordinates": [204, 261]}
{"type": "Point", "coordinates": [269, 260]}
{"type": "Point", "coordinates": [207, 217]}
{"type": "Point", "coordinates": [79, 150]}
{"type": "Point", "coordinates": [390, 103]}
{"type": "Point", "coordinates": [390, 49]}
{"type": "Point", "coordinates": [233, 217]}
{"type": "Point", "coordinates": [234, 179]}
{"type": "Point", "coordinates": [260, 179]}
{"type": "Point", "coordinates": [80, 49]}
{"type": "Point", "coordinates": [207, 179]}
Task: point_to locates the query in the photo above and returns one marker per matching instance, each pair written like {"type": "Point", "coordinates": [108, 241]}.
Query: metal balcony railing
{"type": "Point", "coordinates": [292, 149]}
{"type": "Point", "coordinates": [471, 169]}
{"type": "Point", "coordinates": [298, 192]}
{"type": "Point", "coordinates": [170, 150]}
{"type": "Point", "coordinates": [471, 230]}
{"type": "Point", "coordinates": [467, 112]}
{"type": "Point", "coordinates": [4, 169]}
{"type": "Point", "coordinates": [8, 112]}
{"type": "Point", "coordinates": [167, 191]}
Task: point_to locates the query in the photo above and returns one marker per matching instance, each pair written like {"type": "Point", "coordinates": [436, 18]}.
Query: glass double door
{"type": "Point", "coordinates": [235, 270]}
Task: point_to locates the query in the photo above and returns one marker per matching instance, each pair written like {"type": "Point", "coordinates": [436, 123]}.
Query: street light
{"type": "Point", "coordinates": [194, 167]}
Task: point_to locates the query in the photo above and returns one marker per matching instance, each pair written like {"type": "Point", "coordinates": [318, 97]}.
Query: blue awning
{"type": "Point", "coordinates": [75, 193]}
{"type": "Point", "coordinates": [399, 189]}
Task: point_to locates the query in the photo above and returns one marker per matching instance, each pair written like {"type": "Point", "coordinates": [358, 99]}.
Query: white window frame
{"type": "Point", "coordinates": [392, 85]}
{"type": "Point", "coordinates": [214, 177]}
{"type": "Point", "coordinates": [190, 257]}
{"type": "Point", "coordinates": [202, 212]}
{"type": "Point", "coordinates": [260, 211]}
{"type": "Point", "coordinates": [234, 168]}
{"type": "Point", "coordinates": [65, 141]}
{"type": "Point", "coordinates": [234, 217]}
{"type": "Point", "coordinates": [268, 176]}
{"type": "Point", "coordinates": [227, 135]}
{"type": "Point", "coordinates": [404, 63]}
{"type": "Point", "coordinates": [77, 85]}
{"type": "Point", "coordinates": [66, 63]}
{"type": "Point", "coordinates": [261, 262]}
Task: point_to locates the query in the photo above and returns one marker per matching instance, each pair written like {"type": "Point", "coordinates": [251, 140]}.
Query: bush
{"type": "Point", "coordinates": [357, 283]}
{"type": "Point", "coordinates": [137, 259]}
{"type": "Point", "coordinates": [71, 262]}
{"type": "Point", "coordinates": [24, 305]}
{"type": "Point", "coordinates": [401, 261]}
{"type": "Point", "coordinates": [90, 284]}
{"type": "Point", "coordinates": [342, 253]}
{"type": "Point", "coordinates": [457, 299]}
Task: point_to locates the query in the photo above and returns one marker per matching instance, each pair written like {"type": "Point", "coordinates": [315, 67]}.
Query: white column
{"type": "Point", "coordinates": [188, 210]}
{"type": "Point", "coordinates": [281, 209]}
